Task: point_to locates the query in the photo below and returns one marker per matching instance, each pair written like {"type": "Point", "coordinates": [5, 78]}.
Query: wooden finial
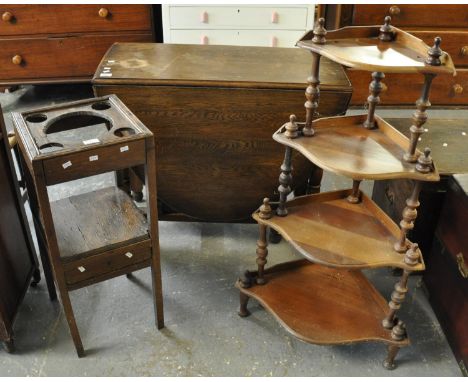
{"type": "Point", "coordinates": [434, 53]}
{"type": "Point", "coordinates": [265, 209]}
{"type": "Point", "coordinates": [320, 32]}
{"type": "Point", "coordinates": [399, 331]}
{"type": "Point", "coordinates": [386, 31]}
{"type": "Point", "coordinates": [246, 280]}
{"type": "Point", "coordinates": [412, 255]}
{"type": "Point", "coordinates": [291, 127]}
{"type": "Point", "coordinates": [424, 164]}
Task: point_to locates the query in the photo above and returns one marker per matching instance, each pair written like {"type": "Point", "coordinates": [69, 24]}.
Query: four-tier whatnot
{"type": "Point", "coordinates": [325, 298]}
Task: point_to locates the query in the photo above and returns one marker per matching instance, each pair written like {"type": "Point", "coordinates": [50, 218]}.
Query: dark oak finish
{"type": "Point", "coordinates": [18, 262]}
{"type": "Point", "coordinates": [64, 43]}
{"type": "Point", "coordinates": [448, 264]}
{"type": "Point", "coordinates": [101, 234]}
{"type": "Point", "coordinates": [233, 110]}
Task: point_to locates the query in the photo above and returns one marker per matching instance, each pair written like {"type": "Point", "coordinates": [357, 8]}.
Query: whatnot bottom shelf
{"type": "Point", "coordinates": [323, 305]}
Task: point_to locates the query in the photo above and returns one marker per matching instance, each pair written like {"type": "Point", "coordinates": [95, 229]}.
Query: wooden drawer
{"type": "Point", "coordinates": [213, 17]}
{"type": "Point", "coordinates": [404, 15]}
{"type": "Point", "coordinates": [57, 57]}
{"type": "Point", "coordinates": [275, 38]}
{"type": "Point", "coordinates": [405, 89]}
{"type": "Point", "coordinates": [455, 43]}
{"type": "Point", "coordinates": [94, 161]}
{"type": "Point", "coordinates": [115, 261]}
{"type": "Point", "coordinates": [44, 19]}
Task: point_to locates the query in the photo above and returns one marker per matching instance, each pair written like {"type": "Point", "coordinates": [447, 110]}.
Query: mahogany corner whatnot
{"type": "Point", "coordinates": [94, 236]}
{"type": "Point", "coordinates": [325, 298]}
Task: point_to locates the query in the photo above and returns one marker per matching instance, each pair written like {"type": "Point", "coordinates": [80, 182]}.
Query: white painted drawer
{"type": "Point", "coordinates": [279, 38]}
{"type": "Point", "coordinates": [240, 17]}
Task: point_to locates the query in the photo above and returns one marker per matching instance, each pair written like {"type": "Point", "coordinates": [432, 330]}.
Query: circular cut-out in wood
{"type": "Point", "coordinates": [101, 105]}
{"type": "Point", "coordinates": [51, 146]}
{"type": "Point", "coordinates": [36, 118]}
{"type": "Point", "coordinates": [124, 131]}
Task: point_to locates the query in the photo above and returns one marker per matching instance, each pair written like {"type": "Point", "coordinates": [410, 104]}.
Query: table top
{"type": "Point", "coordinates": [447, 138]}
{"type": "Point", "coordinates": [214, 65]}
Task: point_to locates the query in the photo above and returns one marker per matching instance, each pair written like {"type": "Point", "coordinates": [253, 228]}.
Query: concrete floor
{"type": "Point", "coordinates": [203, 335]}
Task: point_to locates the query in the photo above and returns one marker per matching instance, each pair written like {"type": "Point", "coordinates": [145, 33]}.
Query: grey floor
{"type": "Point", "coordinates": [203, 335]}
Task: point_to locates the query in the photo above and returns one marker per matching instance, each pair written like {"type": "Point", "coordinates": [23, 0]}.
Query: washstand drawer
{"type": "Point", "coordinates": [33, 58]}
{"type": "Point", "coordinates": [417, 15]}
{"type": "Point", "coordinates": [102, 264]}
{"type": "Point", "coordinates": [44, 18]}
{"type": "Point", "coordinates": [94, 161]}
{"type": "Point", "coordinates": [213, 17]}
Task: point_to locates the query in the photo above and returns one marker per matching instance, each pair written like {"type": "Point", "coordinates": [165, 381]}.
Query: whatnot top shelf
{"type": "Point", "coordinates": [327, 229]}
{"type": "Point", "coordinates": [375, 48]}
{"type": "Point", "coordinates": [342, 145]}
{"type": "Point", "coordinates": [330, 306]}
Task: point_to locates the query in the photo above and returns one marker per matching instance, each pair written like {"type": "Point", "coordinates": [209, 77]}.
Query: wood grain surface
{"type": "Point", "coordinates": [214, 153]}
{"type": "Point", "coordinates": [323, 305]}
{"type": "Point", "coordinates": [344, 146]}
{"type": "Point", "coordinates": [314, 222]}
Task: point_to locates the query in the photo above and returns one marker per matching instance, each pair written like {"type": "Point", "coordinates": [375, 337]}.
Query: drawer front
{"type": "Point", "coordinates": [274, 38]}
{"type": "Point", "coordinates": [44, 19]}
{"type": "Point", "coordinates": [37, 58]}
{"type": "Point", "coordinates": [404, 15]}
{"type": "Point", "coordinates": [105, 263]}
{"type": "Point", "coordinates": [405, 89]}
{"type": "Point", "coordinates": [454, 43]}
{"type": "Point", "coordinates": [94, 161]}
{"type": "Point", "coordinates": [212, 17]}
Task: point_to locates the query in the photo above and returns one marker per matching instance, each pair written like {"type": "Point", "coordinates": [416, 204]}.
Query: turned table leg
{"type": "Point", "coordinates": [244, 299]}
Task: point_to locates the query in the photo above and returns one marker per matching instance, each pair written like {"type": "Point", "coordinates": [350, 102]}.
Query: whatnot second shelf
{"type": "Point", "coordinates": [343, 146]}
{"type": "Point", "coordinates": [326, 229]}
{"type": "Point", "coordinates": [322, 305]}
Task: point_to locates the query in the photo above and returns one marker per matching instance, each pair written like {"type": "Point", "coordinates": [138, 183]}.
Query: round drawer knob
{"type": "Point", "coordinates": [394, 10]}
{"type": "Point", "coordinates": [464, 50]}
{"type": "Point", "coordinates": [7, 16]}
{"type": "Point", "coordinates": [103, 12]}
{"type": "Point", "coordinates": [457, 88]}
{"type": "Point", "coordinates": [17, 59]}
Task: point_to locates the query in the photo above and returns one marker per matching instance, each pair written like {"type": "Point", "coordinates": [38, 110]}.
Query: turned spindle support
{"type": "Point", "coordinates": [422, 104]}
{"type": "Point", "coordinates": [262, 244]}
{"type": "Point", "coordinates": [398, 334]}
{"type": "Point", "coordinates": [412, 258]}
{"type": "Point", "coordinates": [285, 180]}
{"type": "Point", "coordinates": [312, 95]}
{"type": "Point", "coordinates": [375, 87]}
{"type": "Point", "coordinates": [354, 198]}
{"type": "Point", "coordinates": [409, 216]}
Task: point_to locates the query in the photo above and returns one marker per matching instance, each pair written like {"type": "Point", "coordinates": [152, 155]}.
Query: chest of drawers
{"type": "Point", "coordinates": [253, 25]}
{"type": "Point", "coordinates": [64, 43]}
{"type": "Point", "coordinates": [424, 21]}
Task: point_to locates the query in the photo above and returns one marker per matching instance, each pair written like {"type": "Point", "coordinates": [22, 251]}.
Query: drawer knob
{"type": "Point", "coordinates": [204, 40]}
{"type": "Point", "coordinates": [394, 10]}
{"type": "Point", "coordinates": [274, 41]}
{"type": "Point", "coordinates": [129, 255]}
{"type": "Point", "coordinates": [458, 89]}
{"type": "Point", "coordinates": [274, 17]}
{"type": "Point", "coordinates": [464, 50]}
{"type": "Point", "coordinates": [103, 12]}
{"type": "Point", "coordinates": [81, 269]}
{"type": "Point", "coordinates": [462, 267]}
{"type": "Point", "coordinates": [7, 17]}
{"type": "Point", "coordinates": [17, 59]}
{"type": "Point", "coordinates": [204, 17]}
